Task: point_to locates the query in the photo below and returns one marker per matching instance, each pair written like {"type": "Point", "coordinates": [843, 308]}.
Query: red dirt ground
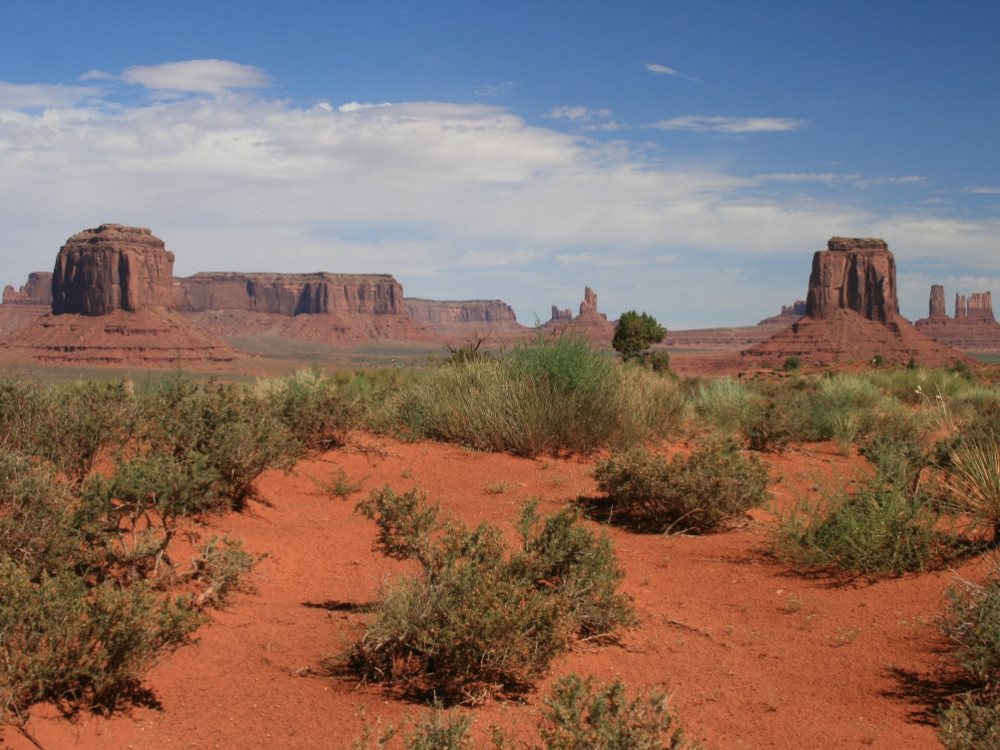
{"type": "Point", "coordinates": [754, 655]}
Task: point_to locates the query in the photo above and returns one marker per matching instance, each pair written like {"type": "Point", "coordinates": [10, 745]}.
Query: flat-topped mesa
{"type": "Point", "coordinates": [558, 314]}
{"type": "Point", "coordinates": [112, 267]}
{"type": "Point", "coordinates": [466, 311]}
{"type": "Point", "coordinates": [291, 294]}
{"type": "Point", "coordinates": [856, 274]}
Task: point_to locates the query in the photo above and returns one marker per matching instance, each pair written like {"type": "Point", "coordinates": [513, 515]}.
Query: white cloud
{"type": "Point", "coordinates": [985, 190]}
{"type": "Point", "coordinates": [730, 124]}
{"type": "Point", "coordinates": [32, 96]}
{"type": "Point", "coordinates": [201, 76]}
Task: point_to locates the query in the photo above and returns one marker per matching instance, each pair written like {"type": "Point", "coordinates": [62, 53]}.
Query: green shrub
{"type": "Point", "coordinates": [700, 493]}
{"type": "Point", "coordinates": [580, 715]}
{"type": "Point", "coordinates": [721, 403]}
{"type": "Point", "coordinates": [792, 363]}
{"type": "Point", "coordinates": [890, 525]}
{"type": "Point", "coordinates": [635, 333]}
{"type": "Point", "coordinates": [972, 622]}
{"type": "Point", "coordinates": [318, 410]}
{"type": "Point", "coordinates": [78, 646]}
{"type": "Point", "coordinates": [556, 395]}
{"type": "Point", "coordinates": [482, 619]}
{"type": "Point", "coordinates": [223, 436]}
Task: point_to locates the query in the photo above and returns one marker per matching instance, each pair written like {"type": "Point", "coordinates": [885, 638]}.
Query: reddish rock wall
{"type": "Point", "coordinates": [38, 291]}
{"type": "Point", "coordinates": [112, 267]}
{"type": "Point", "coordinates": [291, 294]}
{"type": "Point", "coordinates": [973, 328]}
{"type": "Point", "coordinates": [855, 274]}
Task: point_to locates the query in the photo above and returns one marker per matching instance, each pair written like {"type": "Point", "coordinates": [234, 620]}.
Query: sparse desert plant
{"type": "Point", "coordinates": [974, 470]}
{"type": "Point", "coordinates": [700, 493]}
{"type": "Point", "coordinates": [972, 622]}
{"type": "Point", "coordinates": [77, 645]}
{"type": "Point", "coordinates": [581, 714]}
{"type": "Point", "coordinates": [889, 526]}
{"type": "Point", "coordinates": [222, 564]}
{"type": "Point", "coordinates": [317, 409]}
{"type": "Point", "coordinates": [482, 619]}
{"type": "Point", "coordinates": [339, 485]}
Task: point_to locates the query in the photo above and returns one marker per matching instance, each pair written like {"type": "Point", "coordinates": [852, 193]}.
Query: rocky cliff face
{"type": "Point", "coordinates": [590, 322]}
{"type": "Point", "coordinates": [291, 294]}
{"type": "Point", "coordinates": [112, 267]}
{"type": "Point", "coordinates": [854, 274]}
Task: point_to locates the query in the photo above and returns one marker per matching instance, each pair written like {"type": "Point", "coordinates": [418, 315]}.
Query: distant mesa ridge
{"type": "Point", "coordinates": [972, 328]}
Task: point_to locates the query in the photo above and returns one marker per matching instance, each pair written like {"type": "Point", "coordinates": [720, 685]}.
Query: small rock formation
{"type": "Point", "coordinates": [112, 303]}
{"type": "Point", "coordinates": [852, 314]}
{"type": "Point", "coordinates": [558, 314]}
{"type": "Point", "coordinates": [38, 291]}
{"type": "Point", "coordinates": [973, 328]}
{"type": "Point", "coordinates": [110, 268]}
{"type": "Point", "coordinates": [590, 322]}
{"type": "Point", "coordinates": [31, 301]}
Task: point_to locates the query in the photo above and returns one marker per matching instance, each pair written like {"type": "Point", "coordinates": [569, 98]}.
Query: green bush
{"type": "Point", "coordinates": [889, 526]}
{"type": "Point", "coordinates": [580, 715]}
{"type": "Point", "coordinates": [635, 333]}
{"type": "Point", "coordinates": [222, 436]}
{"type": "Point", "coordinates": [972, 622]}
{"type": "Point", "coordinates": [974, 468]}
{"type": "Point", "coordinates": [700, 493]}
{"type": "Point", "coordinates": [318, 410]}
{"type": "Point", "coordinates": [556, 395]}
{"type": "Point", "coordinates": [80, 646]}
{"type": "Point", "coordinates": [482, 619]}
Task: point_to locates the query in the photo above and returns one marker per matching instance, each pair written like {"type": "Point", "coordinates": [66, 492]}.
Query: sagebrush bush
{"type": "Point", "coordinates": [891, 524]}
{"type": "Point", "coordinates": [581, 714]}
{"type": "Point", "coordinates": [482, 619]}
{"type": "Point", "coordinates": [972, 622]}
{"type": "Point", "coordinates": [318, 410]}
{"type": "Point", "coordinates": [77, 645]}
{"type": "Point", "coordinates": [699, 493]}
{"type": "Point", "coordinates": [974, 469]}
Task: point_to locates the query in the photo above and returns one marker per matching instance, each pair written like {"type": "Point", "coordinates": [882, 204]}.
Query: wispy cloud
{"type": "Point", "coordinates": [663, 70]}
{"type": "Point", "coordinates": [985, 190]}
{"type": "Point", "coordinates": [584, 117]}
{"type": "Point", "coordinates": [34, 95]}
{"type": "Point", "coordinates": [495, 89]}
{"type": "Point", "coordinates": [197, 76]}
{"type": "Point", "coordinates": [700, 124]}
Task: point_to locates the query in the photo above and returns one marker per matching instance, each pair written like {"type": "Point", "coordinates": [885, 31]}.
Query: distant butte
{"type": "Point", "coordinates": [112, 303]}
{"type": "Point", "coordinates": [852, 314]}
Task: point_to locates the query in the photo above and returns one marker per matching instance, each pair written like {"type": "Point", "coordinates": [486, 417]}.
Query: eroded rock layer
{"type": "Point", "coordinates": [482, 317]}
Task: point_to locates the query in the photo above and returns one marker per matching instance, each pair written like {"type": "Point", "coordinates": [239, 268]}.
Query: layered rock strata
{"type": "Point", "coordinates": [852, 314]}
{"type": "Point", "coordinates": [449, 318]}
{"type": "Point", "coordinates": [31, 301]}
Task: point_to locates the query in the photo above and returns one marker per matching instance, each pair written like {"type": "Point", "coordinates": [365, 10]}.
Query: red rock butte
{"type": "Point", "coordinates": [852, 314]}
{"type": "Point", "coordinates": [113, 304]}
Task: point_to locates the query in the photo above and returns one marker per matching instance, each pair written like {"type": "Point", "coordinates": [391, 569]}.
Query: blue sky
{"type": "Point", "coordinates": [681, 158]}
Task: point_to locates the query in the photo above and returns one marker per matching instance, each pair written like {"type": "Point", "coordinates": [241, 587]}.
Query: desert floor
{"type": "Point", "coordinates": [753, 654]}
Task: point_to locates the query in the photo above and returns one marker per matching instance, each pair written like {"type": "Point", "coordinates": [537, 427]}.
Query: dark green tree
{"type": "Point", "coordinates": [635, 333]}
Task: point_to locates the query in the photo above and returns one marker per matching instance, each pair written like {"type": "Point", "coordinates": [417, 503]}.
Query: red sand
{"type": "Point", "coordinates": [754, 655]}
